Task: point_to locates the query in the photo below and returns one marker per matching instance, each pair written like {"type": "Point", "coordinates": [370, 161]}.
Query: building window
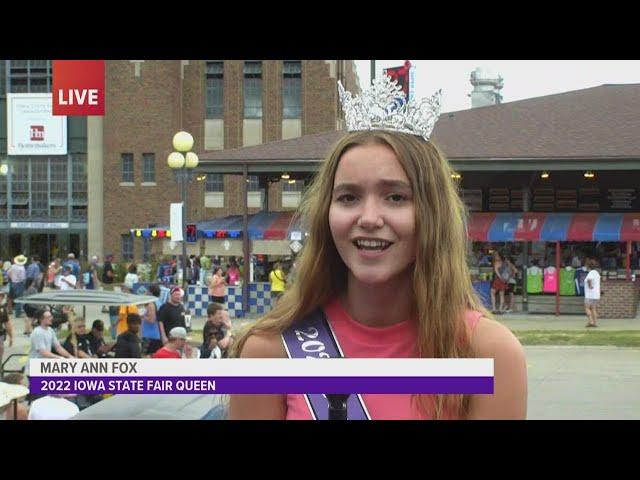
{"type": "Point", "coordinates": [214, 183]}
{"type": "Point", "coordinates": [127, 167]}
{"type": "Point", "coordinates": [291, 90]}
{"type": "Point", "coordinates": [298, 186]}
{"type": "Point", "coordinates": [127, 247]}
{"type": "Point", "coordinates": [20, 190]}
{"type": "Point", "coordinates": [149, 167]}
{"type": "Point", "coordinates": [254, 184]}
{"type": "Point", "coordinates": [39, 188]}
{"type": "Point", "coordinates": [30, 76]}
{"type": "Point", "coordinates": [146, 249]}
{"type": "Point", "coordinates": [79, 195]}
{"type": "Point", "coordinates": [252, 89]}
{"type": "Point", "coordinates": [58, 190]}
{"type": "Point", "coordinates": [214, 89]}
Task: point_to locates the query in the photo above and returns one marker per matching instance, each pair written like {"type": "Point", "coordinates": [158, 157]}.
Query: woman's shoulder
{"type": "Point", "coordinates": [263, 345]}
{"type": "Point", "coordinates": [491, 339]}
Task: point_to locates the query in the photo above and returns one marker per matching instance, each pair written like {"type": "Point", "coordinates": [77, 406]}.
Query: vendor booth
{"type": "Point", "coordinates": [270, 233]}
{"type": "Point", "coordinates": [560, 276]}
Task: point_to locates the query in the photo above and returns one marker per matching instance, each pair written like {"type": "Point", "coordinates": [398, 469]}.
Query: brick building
{"type": "Point", "coordinates": [224, 105]}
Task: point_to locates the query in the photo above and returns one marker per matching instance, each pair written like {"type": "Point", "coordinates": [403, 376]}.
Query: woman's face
{"type": "Point", "coordinates": [372, 214]}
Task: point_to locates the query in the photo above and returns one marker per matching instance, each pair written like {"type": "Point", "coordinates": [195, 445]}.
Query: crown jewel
{"type": "Point", "coordinates": [383, 107]}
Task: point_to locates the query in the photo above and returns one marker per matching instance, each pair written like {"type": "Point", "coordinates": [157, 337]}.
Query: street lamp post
{"type": "Point", "coordinates": [182, 161]}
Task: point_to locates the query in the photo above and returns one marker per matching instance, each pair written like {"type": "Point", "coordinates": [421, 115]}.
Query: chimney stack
{"type": "Point", "coordinates": [486, 88]}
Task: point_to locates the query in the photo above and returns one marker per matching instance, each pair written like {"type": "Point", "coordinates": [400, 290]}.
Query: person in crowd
{"type": "Point", "coordinates": [151, 338]}
{"type": "Point", "coordinates": [73, 263]}
{"type": "Point", "coordinates": [511, 272]}
{"type": "Point", "coordinates": [90, 276]}
{"type": "Point", "coordinates": [233, 273]}
{"type": "Point", "coordinates": [385, 267]}
{"type": "Point", "coordinates": [499, 284]}
{"type": "Point", "coordinates": [17, 283]}
{"type": "Point", "coordinates": [195, 271]}
{"type": "Point", "coordinates": [216, 333]}
{"type": "Point", "coordinates": [123, 312]}
{"type": "Point", "coordinates": [99, 348]}
{"type": "Point", "coordinates": [592, 294]}
{"type": "Point", "coordinates": [53, 272]}
{"type": "Point", "coordinates": [68, 281]}
{"type": "Point", "coordinates": [132, 276]}
{"type": "Point", "coordinates": [30, 309]}
{"type": "Point", "coordinates": [34, 273]}
{"type": "Point", "coordinates": [6, 326]}
{"type": "Point", "coordinates": [44, 340]}
{"type": "Point", "coordinates": [108, 273]}
{"type": "Point", "coordinates": [77, 342]}
{"type": "Point", "coordinates": [217, 287]}
{"type": "Point", "coordinates": [278, 282]}
{"type": "Point", "coordinates": [176, 347]}
{"type": "Point", "coordinates": [128, 344]}
{"type": "Point", "coordinates": [171, 314]}
{"type": "Point", "coordinates": [205, 266]}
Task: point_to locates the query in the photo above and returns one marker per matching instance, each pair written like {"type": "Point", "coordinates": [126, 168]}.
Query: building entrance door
{"type": "Point", "coordinates": [39, 244]}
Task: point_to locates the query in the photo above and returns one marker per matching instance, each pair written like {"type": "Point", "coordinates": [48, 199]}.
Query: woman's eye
{"type": "Point", "coordinates": [346, 198]}
{"type": "Point", "coordinates": [397, 198]}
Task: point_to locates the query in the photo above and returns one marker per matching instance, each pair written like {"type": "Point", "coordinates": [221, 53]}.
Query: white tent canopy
{"type": "Point", "coordinates": [85, 297]}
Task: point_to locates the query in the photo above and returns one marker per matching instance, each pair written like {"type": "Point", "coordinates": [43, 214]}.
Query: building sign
{"type": "Point", "coordinates": [31, 128]}
{"type": "Point", "coordinates": [296, 246]}
{"type": "Point", "coordinates": [39, 225]}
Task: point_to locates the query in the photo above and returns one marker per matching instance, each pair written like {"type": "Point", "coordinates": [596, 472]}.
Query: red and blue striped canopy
{"type": "Point", "coordinates": [541, 227]}
{"type": "Point", "coordinates": [262, 226]}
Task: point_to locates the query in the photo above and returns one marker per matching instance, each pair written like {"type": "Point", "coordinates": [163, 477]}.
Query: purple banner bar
{"type": "Point", "coordinates": [259, 385]}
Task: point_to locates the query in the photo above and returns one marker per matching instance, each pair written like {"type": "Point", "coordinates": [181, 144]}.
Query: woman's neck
{"type": "Point", "coordinates": [379, 305]}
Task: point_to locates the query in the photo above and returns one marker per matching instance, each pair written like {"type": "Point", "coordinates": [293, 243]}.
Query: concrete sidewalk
{"type": "Point", "coordinates": [535, 321]}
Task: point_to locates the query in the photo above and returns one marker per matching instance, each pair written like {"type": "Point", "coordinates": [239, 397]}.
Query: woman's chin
{"type": "Point", "coordinates": [373, 276]}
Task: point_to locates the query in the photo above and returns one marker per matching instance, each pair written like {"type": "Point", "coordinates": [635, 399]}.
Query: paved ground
{"type": "Point", "coordinates": [586, 383]}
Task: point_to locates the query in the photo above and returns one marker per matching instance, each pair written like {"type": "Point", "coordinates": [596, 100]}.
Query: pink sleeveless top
{"type": "Point", "coordinates": [361, 341]}
{"type": "Point", "coordinates": [550, 280]}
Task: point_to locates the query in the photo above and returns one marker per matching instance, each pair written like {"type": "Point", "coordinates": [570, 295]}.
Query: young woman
{"type": "Point", "coordinates": [385, 260]}
{"type": "Point", "coordinates": [217, 288]}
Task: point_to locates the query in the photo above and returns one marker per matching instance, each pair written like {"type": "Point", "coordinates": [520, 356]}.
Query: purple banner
{"type": "Point", "coordinates": [260, 385]}
{"type": "Point", "coordinates": [313, 338]}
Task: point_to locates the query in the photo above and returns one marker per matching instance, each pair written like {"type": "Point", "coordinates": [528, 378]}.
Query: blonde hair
{"type": "Point", "coordinates": [442, 289]}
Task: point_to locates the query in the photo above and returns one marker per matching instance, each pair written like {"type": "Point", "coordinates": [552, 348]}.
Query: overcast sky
{"type": "Point", "coordinates": [522, 78]}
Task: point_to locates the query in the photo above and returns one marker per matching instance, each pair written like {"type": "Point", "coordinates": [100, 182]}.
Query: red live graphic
{"type": "Point", "coordinates": [78, 87]}
{"type": "Point", "coordinates": [36, 132]}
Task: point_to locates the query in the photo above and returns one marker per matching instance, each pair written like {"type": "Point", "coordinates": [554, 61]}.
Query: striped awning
{"type": "Point", "coordinates": [262, 226]}
{"type": "Point", "coordinates": [534, 227]}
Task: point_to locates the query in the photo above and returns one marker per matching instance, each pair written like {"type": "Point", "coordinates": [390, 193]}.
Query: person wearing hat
{"type": "Point", "coordinates": [17, 282]}
{"type": "Point", "coordinates": [177, 343]}
{"type": "Point", "coordinates": [171, 314]}
{"type": "Point", "coordinates": [6, 327]}
{"type": "Point", "coordinates": [68, 280]}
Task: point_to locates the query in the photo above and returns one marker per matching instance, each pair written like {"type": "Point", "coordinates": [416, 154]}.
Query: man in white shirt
{"type": "Point", "coordinates": [592, 293]}
{"type": "Point", "coordinates": [68, 280]}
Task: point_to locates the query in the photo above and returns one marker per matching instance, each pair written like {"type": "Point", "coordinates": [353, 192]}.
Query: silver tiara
{"type": "Point", "coordinates": [383, 106]}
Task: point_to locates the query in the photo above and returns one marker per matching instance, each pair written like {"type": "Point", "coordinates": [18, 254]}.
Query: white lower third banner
{"type": "Point", "coordinates": [261, 376]}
